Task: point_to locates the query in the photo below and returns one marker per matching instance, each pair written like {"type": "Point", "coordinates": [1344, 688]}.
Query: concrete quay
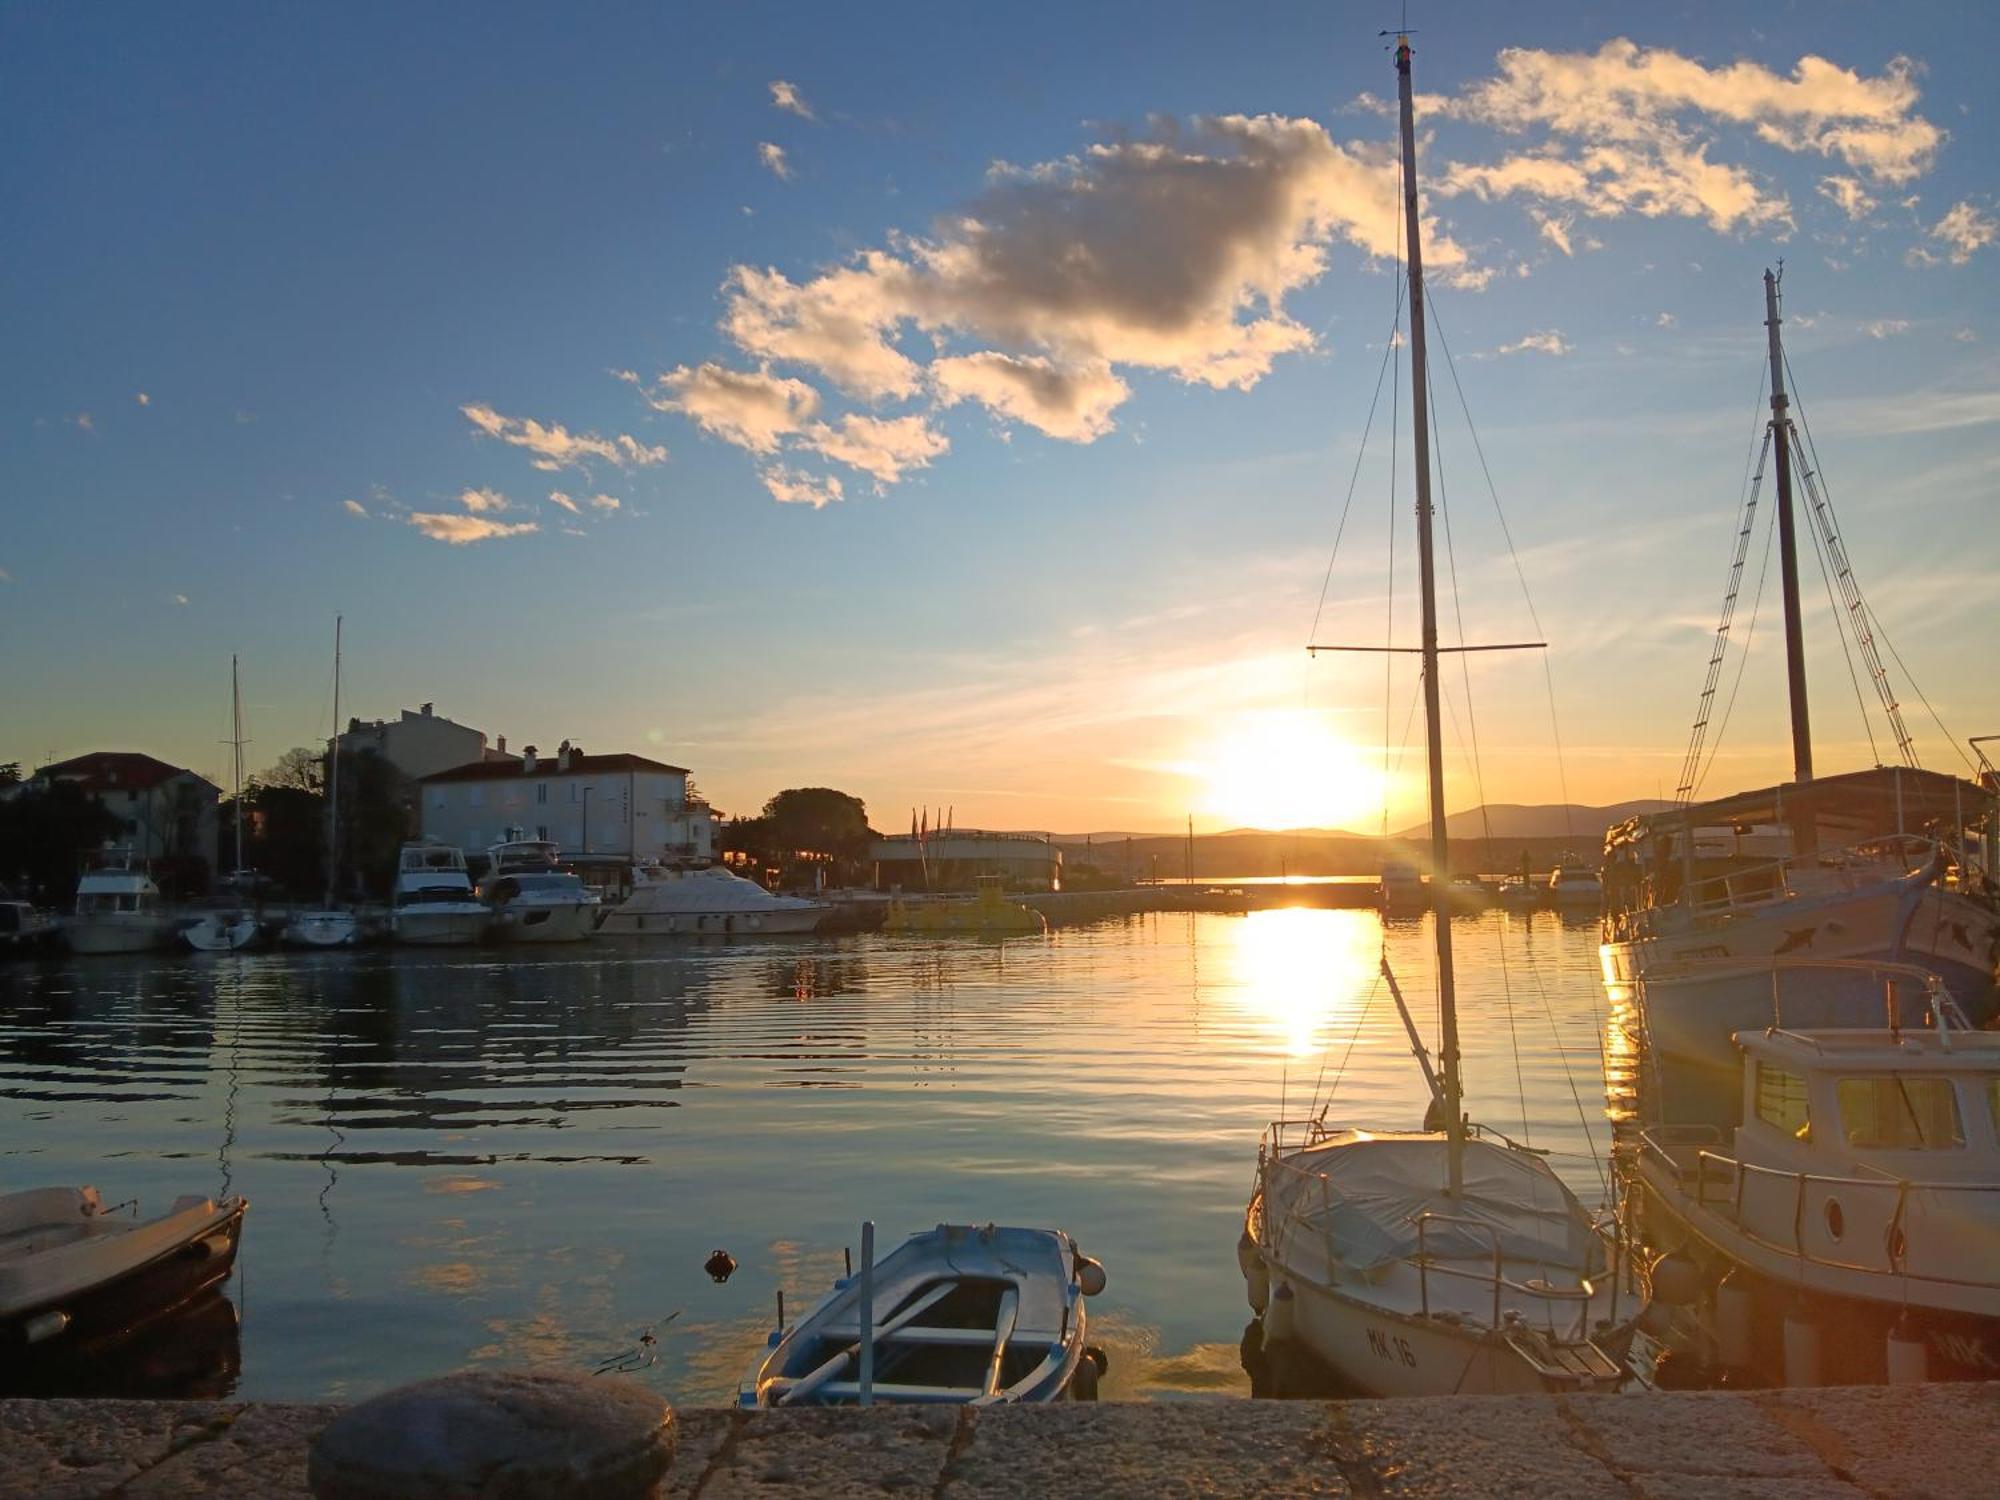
{"type": "Point", "coordinates": [1909, 1443]}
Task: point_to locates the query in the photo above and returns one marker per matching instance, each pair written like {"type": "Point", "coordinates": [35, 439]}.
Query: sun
{"type": "Point", "coordinates": [1287, 768]}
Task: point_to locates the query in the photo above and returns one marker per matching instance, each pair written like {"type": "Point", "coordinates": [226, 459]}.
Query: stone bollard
{"type": "Point", "coordinates": [499, 1436]}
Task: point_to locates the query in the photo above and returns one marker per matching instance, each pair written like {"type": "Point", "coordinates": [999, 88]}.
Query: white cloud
{"type": "Point", "coordinates": [5, 576]}
{"type": "Point", "coordinates": [1666, 320]}
{"type": "Point", "coordinates": [1631, 129]}
{"type": "Point", "coordinates": [1964, 230]}
{"type": "Point", "coordinates": [355, 508]}
{"type": "Point", "coordinates": [1883, 328]}
{"type": "Point", "coordinates": [752, 409]}
{"type": "Point", "coordinates": [1854, 200]}
{"type": "Point", "coordinates": [1171, 253]}
{"type": "Point", "coordinates": [883, 448]}
{"type": "Point", "coordinates": [773, 159]}
{"type": "Point", "coordinates": [84, 421]}
{"type": "Point", "coordinates": [1074, 404]}
{"type": "Point", "coordinates": [796, 488]}
{"type": "Point", "coordinates": [461, 531]}
{"type": "Point", "coordinates": [605, 502]}
{"type": "Point", "coordinates": [786, 96]}
{"type": "Point", "coordinates": [482, 502]}
{"type": "Point", "coordinates": [557, 497]}
{"type": "Point", "coordinates": [1542, 341]}
{"type": "Point", "coordinates": [555, 446]}
{"type": "Point", "coordinates": [143, 399]}
{"type": "Point", "coordinates": [178, 599]}
{"type": "Point", "coordinates": [1554, 228]}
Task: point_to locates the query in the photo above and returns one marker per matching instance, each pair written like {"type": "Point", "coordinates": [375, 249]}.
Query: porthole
{"type": "Point", "coordinates": [1836, 1221]}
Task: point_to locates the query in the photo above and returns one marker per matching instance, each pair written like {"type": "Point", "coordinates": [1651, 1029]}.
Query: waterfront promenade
{"type": "Point", "coordinates": [1911, 1443]}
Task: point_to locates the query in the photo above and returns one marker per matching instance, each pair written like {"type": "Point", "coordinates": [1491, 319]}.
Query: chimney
{"type": "Point", "coordinates": [562, 756]}
{"type": "Point", "coordinates": [528, 760]}
{"type": "Point", "coordinates": [426, 709]}
{"type": "Point", "coordinates": [501, 744]}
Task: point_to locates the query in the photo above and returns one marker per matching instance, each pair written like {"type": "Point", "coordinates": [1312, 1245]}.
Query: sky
{"type": "Point", "coordinates": [960, 407]}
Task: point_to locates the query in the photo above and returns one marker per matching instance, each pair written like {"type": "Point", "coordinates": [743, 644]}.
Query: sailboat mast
{"type": "Point", "coordinates": [236, 742]}
{"type": "Point", "coordinates": [1788, 550]}
{"type": "Point", "coordinates": [333, 781]}
{"type": "Point", "coordinates": [1448, 1062]}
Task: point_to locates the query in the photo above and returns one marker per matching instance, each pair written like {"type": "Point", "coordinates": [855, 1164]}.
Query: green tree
{"type": "Point", "coordinates": [813, 825]}
{"type": "Point", "coordinates": [375, 818]}
{"type": "Point", "coordinates": [44, 833]}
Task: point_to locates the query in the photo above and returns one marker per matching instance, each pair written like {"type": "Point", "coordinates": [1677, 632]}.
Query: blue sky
{"type": "Point", "coordinates": [283, 291]}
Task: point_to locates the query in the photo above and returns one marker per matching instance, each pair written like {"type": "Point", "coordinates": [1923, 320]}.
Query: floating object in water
{"type": "Point", "coordinates": [955, 1315]}
{"type": "Point", "coordinates": [720, 1266]}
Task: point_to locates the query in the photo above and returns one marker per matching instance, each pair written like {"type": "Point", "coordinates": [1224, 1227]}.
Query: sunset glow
{"type": "Point", "coordinates": [1288, 768]}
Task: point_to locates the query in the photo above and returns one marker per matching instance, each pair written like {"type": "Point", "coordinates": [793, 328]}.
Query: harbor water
{"type": "Point", "coordinates": [488, 1157]}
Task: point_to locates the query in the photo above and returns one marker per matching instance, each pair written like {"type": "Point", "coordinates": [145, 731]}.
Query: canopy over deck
{"type": "Point", "coordinates": [1849, 808]}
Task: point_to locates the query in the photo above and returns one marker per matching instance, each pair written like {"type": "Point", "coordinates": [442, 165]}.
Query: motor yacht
{"type": "Point", "coordinates": [532, 899]}
{"type": "Point", "coordinates": [433, 903]}
{"type": "Point", "coordinates": [704, 902]}
{"type": "Point", "coordinates": [117, 908]}
{"type": "Point", "coordinates": [1573, 885]}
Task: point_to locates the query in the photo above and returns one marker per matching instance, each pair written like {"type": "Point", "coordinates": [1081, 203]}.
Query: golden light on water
{"type": "Point", "coordinates": [1296, 970]}
{"type": "Point", "coordinates": [1287, 768]}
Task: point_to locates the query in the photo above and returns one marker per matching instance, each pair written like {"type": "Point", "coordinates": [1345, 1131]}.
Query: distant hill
{"type": "Point", "coordinates": [1515, 820]}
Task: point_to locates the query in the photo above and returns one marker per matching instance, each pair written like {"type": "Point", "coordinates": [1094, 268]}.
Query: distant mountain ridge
{"type": "Point", "coordinates": [1501, 820]}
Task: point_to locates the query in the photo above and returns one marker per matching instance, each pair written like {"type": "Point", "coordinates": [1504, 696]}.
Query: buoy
{"type": "Point", "coordinates": [1281, 1316]}
{"type": "Point", "coordinates": [1256, 1275]}
{"type": "Point", "coordinates": [1734, 1309]}
{"type": "Point", "coordinates": [1905, 1355]}
{"type": "Point", "coordinates": [720, 1266]}
{"type": "Point", "coordinates": [1676, 1280]}
{"type": "Point", "coordinates": [45, 1326]}
{"type": "Point", "coordinates": [1090, 1275]}
{"type": "Point", "coordinates": [1801, 1336]}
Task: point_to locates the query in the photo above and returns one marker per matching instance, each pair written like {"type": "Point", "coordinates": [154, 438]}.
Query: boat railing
{"type": "Point", "coordinates": [1941, 1009]}
{"type": "Point", "coordinates": [1847, 868]}
{"type": "Point", "coordinates": [1580, 1294]}
{"type": "Point", "coordinates": [1714, 1179]}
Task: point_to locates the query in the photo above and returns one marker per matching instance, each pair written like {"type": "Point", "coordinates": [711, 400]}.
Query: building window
{"type": "Point", "coordinates": [572, 791]}
{"type": "Point", "coordinates": [542, 832]}
{"type": "Point", "coordinates": [475, 796]}
{"type": "Point", "coordinates": [541, 791]}
{"type": "Point", "coordinates": [472, 838]}
{"type": "Point", "coordinates": [1781, 1101]}
{"type": "Point", "coordinates": [437, 799]}
{"type": "Point", "coordinates": [1900, 1114]}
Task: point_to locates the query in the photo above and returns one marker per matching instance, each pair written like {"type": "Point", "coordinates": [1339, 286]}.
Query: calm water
{"type": "Point", "coordinates": [472, 1158]}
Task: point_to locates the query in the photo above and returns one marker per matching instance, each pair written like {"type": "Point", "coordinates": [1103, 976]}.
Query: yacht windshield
{"type": "Point", "coordinates": [1899, 1113]}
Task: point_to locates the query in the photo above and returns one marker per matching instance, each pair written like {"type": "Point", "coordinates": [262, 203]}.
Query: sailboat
{"type": "Point", "coordinates": [228, 929]}
{"type": "Point", "coordinates": [1446, 1259]}
{"type": "Point", "coordinates": [1889, 864]}
{"type": "Point", "coordinates": [329, 926]}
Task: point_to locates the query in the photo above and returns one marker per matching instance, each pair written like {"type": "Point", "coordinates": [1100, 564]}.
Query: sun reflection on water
{"type": "Point", "coordinates": [1293, 971]}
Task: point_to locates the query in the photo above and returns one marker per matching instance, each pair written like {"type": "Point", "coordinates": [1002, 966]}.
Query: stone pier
{"type": "Point", "coordinates": [1911, 1443]}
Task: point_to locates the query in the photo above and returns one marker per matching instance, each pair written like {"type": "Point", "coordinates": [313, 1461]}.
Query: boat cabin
{"type": "Point", "coordinates": [1667, 872]}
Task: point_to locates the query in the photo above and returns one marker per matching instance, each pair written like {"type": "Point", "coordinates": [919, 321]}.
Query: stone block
{"type": "Point", "coordinates": [1474, 1446]}
{"type": "Point", "coordinates": [830, 1453]}
{"type": "Point", "coordinates": [1707, 1433]}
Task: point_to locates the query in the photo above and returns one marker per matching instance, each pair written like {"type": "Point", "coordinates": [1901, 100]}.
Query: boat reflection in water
{"type": "Point", "coordinates": [193, 1353]}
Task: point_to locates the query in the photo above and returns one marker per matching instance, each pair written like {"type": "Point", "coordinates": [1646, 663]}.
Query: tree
{"type": "Point", "coordinates": [375, 819]}
{"type": "Point", "coordinates": [44, 831]}
{"type": "Point", "coordinates": [299, 770]}
{"type": "Point", "coordinates": [811, 825]}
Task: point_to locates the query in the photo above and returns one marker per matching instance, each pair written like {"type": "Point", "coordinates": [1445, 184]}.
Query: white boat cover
{"type": "Point", "coordinates": [1377, 1185]}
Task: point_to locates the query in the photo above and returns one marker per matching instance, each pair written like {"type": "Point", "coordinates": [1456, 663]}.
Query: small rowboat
{"type": "Point", "coordinates": [956, 1315]}
{"type": "Point", "coordinates": [70, 1268]}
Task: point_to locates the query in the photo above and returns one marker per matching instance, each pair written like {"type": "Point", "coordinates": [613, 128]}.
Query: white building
{"type": "Point", "coordinates": [419, 744]}
{"type": "Point", "coordinates": [164, 812]}
{"type": "Point", "coordinates": [605, 809]}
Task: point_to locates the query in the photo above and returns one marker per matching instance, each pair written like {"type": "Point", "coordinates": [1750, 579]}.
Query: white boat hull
{"type": "Point", "coordinates": [323, 929]}
{"type": "Point", "coordinates": [446, 928]}
{"type": "Point", "coordinates": [116, 932]}
{"type": "Point", "coordinates": [622, 923]}
{"type": "Point", "coordinates": [221, 932]}
{"type": "Point", "coordinates": [566, 923]}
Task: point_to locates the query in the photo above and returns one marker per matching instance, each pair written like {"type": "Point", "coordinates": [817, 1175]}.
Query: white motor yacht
{"type": "Point", "coordinates": [532, 899]}
{"type": "Point", "coordinates": [117, 908]}
{"type": "Point", "coordinates": [1848, 1230]}
{"type": "Point", "coordinates": [1402, 888]}
{"type": "Point", "coordinates": [25, 929]}
{"type": "Point", "coordinates": [433, 902]}
{"type": "Point", "coordinates": [690, 903]}
{"type": "Point", "coordinates": [1574, 885]}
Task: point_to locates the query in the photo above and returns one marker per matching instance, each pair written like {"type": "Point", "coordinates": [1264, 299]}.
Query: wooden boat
{"type": "Point", "coordinates": [1848, 1229]}
{"type": "Point", "coordinates": [1447, 1259]}
{"type": "Point", "coordinates": [70, 1268]}
{"type": "Point", "coordinates": [957, 1314]}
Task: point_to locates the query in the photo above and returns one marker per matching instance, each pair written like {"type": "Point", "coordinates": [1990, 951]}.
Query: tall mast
{"type": "Point", "coordinates": [333, 781]}
{"type": "Point", "coordinates": [236, 741]}
{"type": "Point", "coordinates": [1788, 552]}
{"type": "Point", "coordinates": [1433, 734]}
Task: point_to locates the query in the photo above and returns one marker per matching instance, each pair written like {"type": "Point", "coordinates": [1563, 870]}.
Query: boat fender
{"type": "Point", "coordinates": [1906, 1358]}
{"type": "Point", "coordinates": [1676, 1280]}
{"type": "Point", "coordinates": [720, 1266]}
{"type": "Point", "coordinates": [1735, 1309]}
{"type": "Point", "coordinates": [1280, 1320]}
{"type": "Point", "coordinates": [1256, 1275]}
{"type": "Point", "coordinates": [1083, 1381]}
{"type": "Point", "coordinates": [1801, 1339]}
{"type": "Point", "coordinates": [45, 1326]}
{"type": "Point", "coordinates": [1090, 1275]}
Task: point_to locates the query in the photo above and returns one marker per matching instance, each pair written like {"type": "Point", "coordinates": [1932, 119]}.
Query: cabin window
{"type": "Point", "coordinates": [1900, 1114]}
{"type": "Point", "coordinates": [1781, 1101]}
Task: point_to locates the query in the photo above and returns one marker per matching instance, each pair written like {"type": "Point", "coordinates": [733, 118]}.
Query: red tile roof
{"type": "Point", "coordinates": [545, 765]}
{"type": "Point", "coordinates": [114, 770]}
